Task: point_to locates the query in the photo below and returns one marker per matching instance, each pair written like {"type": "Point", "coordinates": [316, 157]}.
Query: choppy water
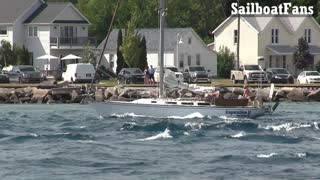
{"type": "Point", "coordinates": [72, 142]}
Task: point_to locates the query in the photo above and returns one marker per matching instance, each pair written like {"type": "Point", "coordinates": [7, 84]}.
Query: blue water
{"type": "Point", "coordinates": [72, 142]}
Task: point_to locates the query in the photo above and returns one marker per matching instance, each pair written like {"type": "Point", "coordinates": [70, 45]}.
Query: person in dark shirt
{"type": "Point", "coordinates": [151, 74]}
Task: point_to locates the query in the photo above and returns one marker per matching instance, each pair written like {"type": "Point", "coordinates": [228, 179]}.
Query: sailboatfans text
{"type": "Point", "coordinates": [282, 9]}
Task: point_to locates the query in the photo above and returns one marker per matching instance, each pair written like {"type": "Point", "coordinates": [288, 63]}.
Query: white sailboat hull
{"type": "Point", "coordinates": [162, 110]}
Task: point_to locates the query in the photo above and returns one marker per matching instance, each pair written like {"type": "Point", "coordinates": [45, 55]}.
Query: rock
{"type": "Point", "coordinates": [280, 94]}
{"type": "Point", "coordinates": [296, 95]}
{"type": "Point", "coordinates": [39, 95]}
{"type": "Point", "coordinates": [47, 85]}
{"type": "Point", "coordinates": [63, 84]}
{"type": "Point", "coordinates": [99, 95]}
{"type": "Point", "coordinates": [14, 99]}
{"type": "Point", "coordinates": [237, 91]}
{"type": "Point", "coordinates": [24, 99]}
{"type": "Point", "coordinates": [75, 97]}
{"type": "Point", "coordinates": [314, 96]}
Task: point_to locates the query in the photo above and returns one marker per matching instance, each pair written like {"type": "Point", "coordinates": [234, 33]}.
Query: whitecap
{"type": "Point", "coordinates": [266, 155]}
{"type": "Point", "coordinates": [164, 135]}
{"type": "Point", "coordinates": [189, 116]}
{"type": "Point", "coordinates": [240, 134]}
{"type": "Point", "coordinates": [288, 126]}
{"type": "Point", "coordinates": [34, 135]}
{"type": "Point", "coordinates": [316, 125]}
{"type": "Point", "coordinates": [194, 125]}
{"type": "Point", "coordinates": [228, 119]}
{"type": "Point", "coordinates": [127, 115]}
{"type": "Point", "coordinates": [301, 155]}
{"type": "Point", "coordinates": [82, 127]}
{"type": "Point", "coordinates": [186, 133]}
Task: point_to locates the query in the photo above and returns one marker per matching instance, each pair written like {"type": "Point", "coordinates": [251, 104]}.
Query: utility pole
{"type": "Point", "coordinates": [238, 43]}
{"type": "Point", "coordinates": [162, 12]}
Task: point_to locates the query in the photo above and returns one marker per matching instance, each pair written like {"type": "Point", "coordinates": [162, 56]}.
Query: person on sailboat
{"type": "Point", "coordinates": [246, 92]}
{"type": "Point", "coordinates": [151, 75]}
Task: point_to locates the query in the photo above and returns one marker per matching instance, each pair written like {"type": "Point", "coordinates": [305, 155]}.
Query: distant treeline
{"type": "Point", "coordinates": [202, 15]}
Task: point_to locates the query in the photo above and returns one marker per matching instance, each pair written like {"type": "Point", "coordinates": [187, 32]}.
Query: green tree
{"type": "Point", "coordinates": [226, 62]}
{"type": "Point", "coordinates": [88, 54]}
{"type": "Point", "coordinates": [130, 47]}
{"type": "Point", "coordinates": [120, 60]}
{"type": "Point", "coordinates": [143, 54]}
{"type": "Point", "coordinates": [302, 57]}
{"type": "Point", "coordinates": [6, 54]}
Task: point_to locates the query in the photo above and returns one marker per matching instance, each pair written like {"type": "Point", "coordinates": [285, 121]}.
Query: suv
{"type": "Point", "coordinates": [26, 74]}
{"type": "Point", "coordinates": [195, 74]}
{"type": "Point", "coordinates": [279, 75]}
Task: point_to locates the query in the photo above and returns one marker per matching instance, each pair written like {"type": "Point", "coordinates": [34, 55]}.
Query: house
{"type": "Point", "coordinates": [43, 28]}
{"type": "Point", "coordinates": [269, 41]}
{"type": "Point", "coordinates": [182, 47]}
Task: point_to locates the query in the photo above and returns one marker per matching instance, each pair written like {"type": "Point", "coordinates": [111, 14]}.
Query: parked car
{"type": "Point", "coordinates": [25, 74]}
{"type": "Point", "coordinates": [130, 75]}
{"type": "Point", "coordinates": [279, 75]}
{"type": "Point", "coordinates": [4, 78]}
{"type": "Point", "coordinates": [307, 77]}
{"type": "Point", "coordinates": [195, 74]}
{"type": "Point", "coordinates": [178, 75]}
{"type": "Point", "coordinates": [80, 72]}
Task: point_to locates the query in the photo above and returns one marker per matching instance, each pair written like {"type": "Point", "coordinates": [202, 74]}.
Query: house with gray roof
{"type": "Point", "coordinates": [43, 28]}
{"type": "Point", "coordinates": [182, 47]}
{"type": "Point", "coordinates": [269, 41]}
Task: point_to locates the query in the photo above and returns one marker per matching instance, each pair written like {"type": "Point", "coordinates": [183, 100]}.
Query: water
{"type": "Point", "coordinates": [72, 142]}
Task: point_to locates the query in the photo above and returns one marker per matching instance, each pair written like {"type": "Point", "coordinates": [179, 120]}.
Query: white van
{"type": "Point", "coordinates": [81, 72]}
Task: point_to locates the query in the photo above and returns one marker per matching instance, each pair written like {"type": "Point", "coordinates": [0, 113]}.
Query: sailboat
{"type": "Point", "coordinates": [162, 107]}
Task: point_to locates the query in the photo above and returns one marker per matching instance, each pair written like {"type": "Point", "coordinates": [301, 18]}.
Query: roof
{"type": "Point", "coordinates": [11, 10]}
{"type": "Point", "coordinates": [51, 12]}
{"type": "Point", "coordinates": [152, 38]}
{"type": "Point", "coordinates": [259, 23]}
{"type": "Point", "coordinates": [289, 50]}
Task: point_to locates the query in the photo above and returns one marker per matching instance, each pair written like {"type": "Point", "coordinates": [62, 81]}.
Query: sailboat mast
{"type": "Point", "coordinates": [161, 49]}
{"type": "Point", "coordinates": [238, 43]}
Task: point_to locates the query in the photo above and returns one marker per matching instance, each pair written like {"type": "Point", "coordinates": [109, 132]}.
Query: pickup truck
{"type": "Point", "coordinates": [195, 74]}
{"type": "Point", "coordinates": [249, 74]}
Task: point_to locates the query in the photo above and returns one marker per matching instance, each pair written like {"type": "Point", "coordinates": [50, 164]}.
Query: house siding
{"type": "Point", "coordinates": [248, 41]}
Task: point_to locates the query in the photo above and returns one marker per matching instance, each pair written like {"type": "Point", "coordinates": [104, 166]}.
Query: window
{"type": "Point", "coordinates": [307, 35]}
{"type": "Point", "coordinates": [198, 63]}
{"type": "Point", "coordinates": [3, 30]}
{"type": "Point", "coordinates": [270, 61]}
{"type": "Point", "coordinates": [33, 31]}
{"type": "Point", "coordinates": [181, 61]}
{"type": "Point", "coordinates": [275, 36]}
{"type": "Point", "coordinates": [189, 40]}
{"type": "Point", "coordinates": [235, 36]}
{"type": "Point", "coordinates": [111, 60]}
{"type": "Point", "coordinates": [284, 62]}
{"type": "Point", "coordinates": [181, 64]}
{"type": "Point", "coordinates": [189, 60]}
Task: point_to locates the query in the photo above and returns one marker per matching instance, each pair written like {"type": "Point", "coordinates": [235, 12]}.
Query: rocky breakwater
{"type": "Point", "coordinates": [69, 93]}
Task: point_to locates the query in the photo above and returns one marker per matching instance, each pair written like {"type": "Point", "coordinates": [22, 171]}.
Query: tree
{"type": "Point", "coordinates": [88, 54]}
{"type": "Point", "coordinates": [5, 53]}
{"type": "Point", "coordinates": [226, 62]}
{"type": "Point", "coordinates": [120, 60]}
{"type": "Point", "coordinates": [302, 57]}
{"type": "Point", "coordinates": [143, 54]}
{"type": "Point", "coordinates": [130, 48]}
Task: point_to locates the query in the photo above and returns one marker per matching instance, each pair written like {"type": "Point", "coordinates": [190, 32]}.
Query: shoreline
{"type": "Point", "coordinates": [56, 93]}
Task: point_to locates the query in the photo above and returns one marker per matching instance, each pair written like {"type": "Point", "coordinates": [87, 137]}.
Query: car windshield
{"type": "Point", "coordinates": [174, 69]}
{"type": "Point", "coordinates": [280, 71]}
{"type": "Point", "coordinates": [26, 69]}
{"type": "Point", "coordinates": [313, 73]}
{"type": "Point", "coordinates": [252, 67]}
{"type": "Point", "coordinates": [196, 69]}
{"type": "Point", "coordinates": [135, 71]}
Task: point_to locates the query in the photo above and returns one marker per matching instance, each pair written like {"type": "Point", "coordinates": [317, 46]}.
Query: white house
{"type": "Point", "coordinates": [274, 38]}
{"type": "Point", "coordinates": [182, 47]}
{"type": "Point", "coordinates": [44, 28]}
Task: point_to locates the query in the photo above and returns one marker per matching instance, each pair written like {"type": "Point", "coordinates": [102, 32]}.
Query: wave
{"type": "Point", "coordinates": [240, 134]}
{"type": "Point", "coordinates": [190, 116]}
{"type": "Point", "coordinates": [291, 126]}
{"type": "Point", "coordinates": [267, 155]}
{"type": "Point", "coordinates": [163, 135]}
